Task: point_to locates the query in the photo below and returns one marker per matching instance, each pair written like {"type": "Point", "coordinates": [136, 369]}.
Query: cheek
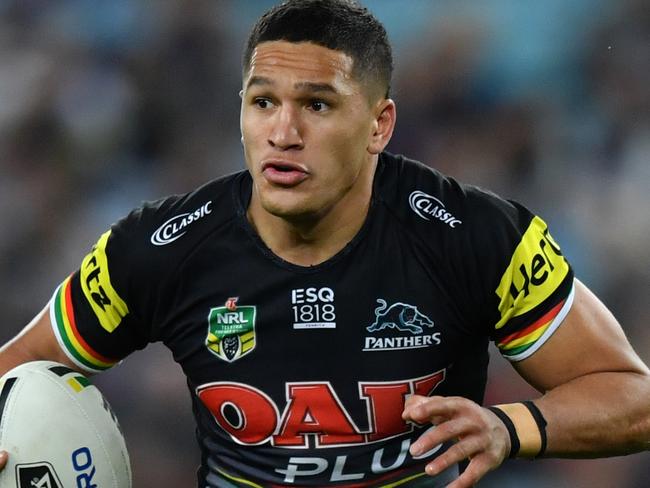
{"type": "Point", "coordinates": [351, 146]}
{"type": "Point", "coordinates": [246, 126]}
{"type": "Point", "coordinates": [347, 157]}
{"type": "Point", "coordinates": [252, 133]}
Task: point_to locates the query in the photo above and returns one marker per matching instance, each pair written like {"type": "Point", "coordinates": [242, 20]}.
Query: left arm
{"type": "Point", "coordinates": [597, 390]}
{"type": "Point", "coordinates": [596, 399]}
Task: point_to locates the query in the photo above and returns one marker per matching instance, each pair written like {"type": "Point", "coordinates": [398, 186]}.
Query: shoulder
{"type": "Point", "coordinates": [498, 256]}
{"type": "Point", "coordinates": [426, 200]}
{"type": "Point", "coordinates": [135, 265]}
{"type": "Point", "coordinates": [164, 231]}
{"type": "Point", "coordinates": [188, 217]}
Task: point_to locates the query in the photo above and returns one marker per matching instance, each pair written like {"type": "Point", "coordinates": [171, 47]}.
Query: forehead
{"type": "Point", "coordinates": [281, 61]}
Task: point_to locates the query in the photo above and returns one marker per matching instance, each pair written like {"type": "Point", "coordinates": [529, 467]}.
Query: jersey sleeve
{"type": "Point", "coordinates": [528, 284]}
{"type": "Point", "coordinates": [102, 312]}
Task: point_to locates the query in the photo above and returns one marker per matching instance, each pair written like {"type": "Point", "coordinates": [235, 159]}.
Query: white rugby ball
{"type": "Point", "coordinates": [59, 431]}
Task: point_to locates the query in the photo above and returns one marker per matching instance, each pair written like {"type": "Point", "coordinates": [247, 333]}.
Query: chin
{"type": "Point", "coordinates": [289, 208]}
{"type": "Point", "coordinates": [289, 212]}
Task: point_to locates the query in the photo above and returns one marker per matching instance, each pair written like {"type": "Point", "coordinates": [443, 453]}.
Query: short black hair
{"type": "Point", "coordinates": [341, 25]}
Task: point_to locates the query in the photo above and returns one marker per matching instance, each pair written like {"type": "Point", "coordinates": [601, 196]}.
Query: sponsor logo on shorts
{"type": "Point", "coordinates": [396, 318]}
{"type": "Point", "coordinates": [231, 330]}
{"type": "Point", "coordinates": [430, 208]}
{"type": "Point", "coordinates": [96, 285]}
{"type": "Point", "coordinates": [176, 227]}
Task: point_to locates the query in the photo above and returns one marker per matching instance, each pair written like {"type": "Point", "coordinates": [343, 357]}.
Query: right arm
{"type": "Point", "coordinates": [87, 325]}
{"type": "Point", "coordinates": [35, 342]}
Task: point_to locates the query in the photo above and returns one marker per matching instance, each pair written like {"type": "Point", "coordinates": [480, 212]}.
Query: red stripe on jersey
{"type": "Point", "coordinates": [544, 319]}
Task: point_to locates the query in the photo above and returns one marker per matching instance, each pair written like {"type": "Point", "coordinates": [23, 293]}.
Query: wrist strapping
{"type": "Point", "coordinates": [510, 427]}
{"type": "Point", "coordinates": [526, 426]}
{"type": "Point", "coordinates": [541, 424]}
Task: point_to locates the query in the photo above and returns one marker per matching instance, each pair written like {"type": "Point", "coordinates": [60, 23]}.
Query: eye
{"type": "Point", "coordinates": [318, 106]}
{"type": "Point", "coordinates": [262, 103]}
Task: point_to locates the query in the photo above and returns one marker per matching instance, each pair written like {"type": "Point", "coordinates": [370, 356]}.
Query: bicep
{"type": "Point", "coordinates": [35, 342]}
{"type": "Point", "coordinates": [590, 340]}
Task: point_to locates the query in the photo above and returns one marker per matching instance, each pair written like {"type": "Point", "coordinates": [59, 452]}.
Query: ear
{"type": "Point", "coordinates": [382, 126]}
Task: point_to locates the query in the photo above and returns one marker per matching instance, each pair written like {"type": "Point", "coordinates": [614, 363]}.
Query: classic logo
{"type": "Point", "coordinates": [401, 317]}
{"type": "Point", "coordinates": [175, 228]}
{"type": "Point", "coordinates": [37, 475]}
{"type": "Point", "coordinates": [429, 207]}
{"type": "Point", "coordinates": [231, 330]}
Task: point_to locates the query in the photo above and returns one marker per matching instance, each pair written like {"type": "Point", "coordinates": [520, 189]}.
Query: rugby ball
{"type": "Point", "coordinates": [59, 431]}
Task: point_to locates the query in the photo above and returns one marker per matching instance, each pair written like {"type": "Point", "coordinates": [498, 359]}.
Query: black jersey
{"type": "Point", "coordinates": [298, 375]}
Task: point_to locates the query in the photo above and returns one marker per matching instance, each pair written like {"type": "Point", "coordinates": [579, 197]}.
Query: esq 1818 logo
{"type": "Point", "coordinates": [313, 308]}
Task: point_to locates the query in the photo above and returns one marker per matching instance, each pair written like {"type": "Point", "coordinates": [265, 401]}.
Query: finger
{"type": "Point", "coordinates": [438, 407]}
{"type": "Point", "coordinates": [475, 471]}
{"type": "Point", "coordinates": [414, 400]}
{"type": "Point", "coordinates": [443, 432]}
{"type": "Point", "coordinates": [463, 449]}
{"type": "Point", "coordinates": [433, 420]}
{"type": "Point", "coordinates": [4, 456]}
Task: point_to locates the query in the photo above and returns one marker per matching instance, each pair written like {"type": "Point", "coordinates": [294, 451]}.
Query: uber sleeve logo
{"type": "Point", "coordinates": [536, 270]}
{"type": "Point", "coordinates": [96, 285]}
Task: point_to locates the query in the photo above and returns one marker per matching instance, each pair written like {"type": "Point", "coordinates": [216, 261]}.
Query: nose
{"type": "Point", "coordinates": [286, 132]}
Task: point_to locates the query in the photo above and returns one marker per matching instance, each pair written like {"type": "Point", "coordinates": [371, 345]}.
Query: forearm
{"type": "Point", "coordinates": [35, 342]}
{"type": "Point", "coordinates": [596, 415]}
{"type": "Point", "coordinates": [593, 415]}
{"type": "Point", "coordinates": [17, 350]}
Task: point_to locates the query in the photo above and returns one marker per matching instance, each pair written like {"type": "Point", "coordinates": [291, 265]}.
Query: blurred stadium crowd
{"type": "Point", "coordinates": [105, 103]}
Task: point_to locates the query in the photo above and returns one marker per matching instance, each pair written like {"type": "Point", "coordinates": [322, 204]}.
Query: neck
{"type": "Point", "coordinates": [311, 240]}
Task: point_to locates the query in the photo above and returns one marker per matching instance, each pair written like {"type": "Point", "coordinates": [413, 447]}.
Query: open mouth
{"type": "Point", "coordinates": [282, 168]}
{"type": "Point", "coordinates": [283, 173]}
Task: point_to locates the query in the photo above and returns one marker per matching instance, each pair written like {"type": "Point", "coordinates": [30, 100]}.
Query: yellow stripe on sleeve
{"type": "Point", "coordinates": [537, 268]}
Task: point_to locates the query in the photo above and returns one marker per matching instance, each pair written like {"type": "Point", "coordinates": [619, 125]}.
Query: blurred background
{"type": "Point", "coordinates": [105, 103]}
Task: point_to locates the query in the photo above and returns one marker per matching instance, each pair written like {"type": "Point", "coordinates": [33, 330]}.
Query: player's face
{"type": "Point", "coordinates": [307, 128]}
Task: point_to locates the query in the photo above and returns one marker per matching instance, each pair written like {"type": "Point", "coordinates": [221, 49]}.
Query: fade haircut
{"type": "Point", "coordinates": [341, 25]}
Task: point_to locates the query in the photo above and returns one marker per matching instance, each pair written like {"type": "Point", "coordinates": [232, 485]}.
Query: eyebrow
{"type": "Point", "coordinates": [301, 85]}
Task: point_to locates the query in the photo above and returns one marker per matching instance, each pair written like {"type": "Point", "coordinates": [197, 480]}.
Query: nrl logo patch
{"type": "Point", "coordinates": [231, 330]}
